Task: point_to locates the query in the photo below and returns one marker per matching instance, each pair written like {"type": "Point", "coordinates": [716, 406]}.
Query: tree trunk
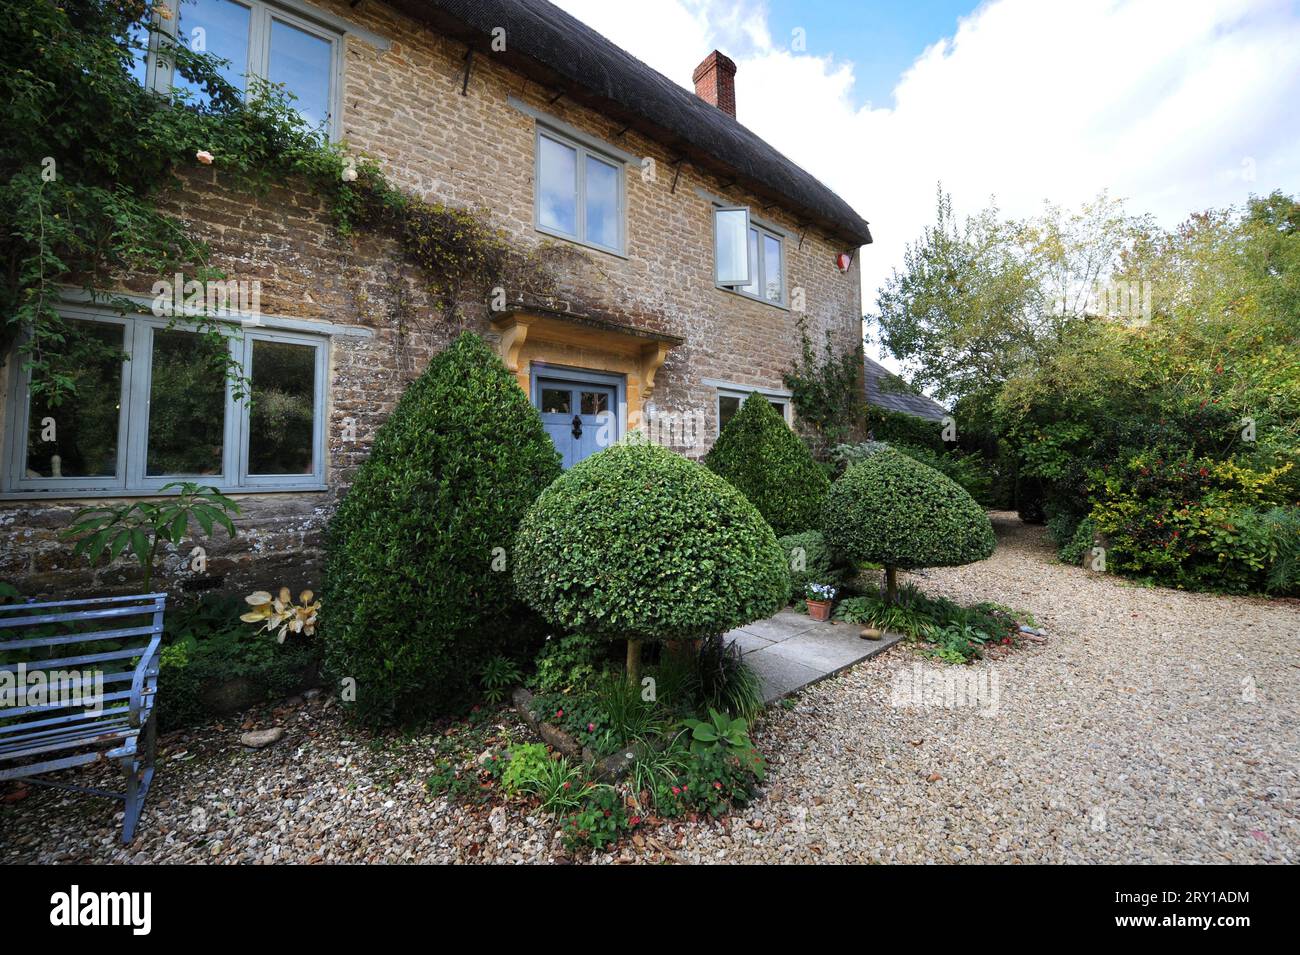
{"type": "Point", "coordinates": [634, 662]}
{"type": "Point", "coordinates": [891, 585]}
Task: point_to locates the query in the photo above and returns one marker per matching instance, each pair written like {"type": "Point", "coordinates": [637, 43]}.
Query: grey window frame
{"type": "Point", "coordinates": [758, 270]}
{"type": "Point", "coordinates": [728, 390]}
{"type": "Point", "coordinates": [160, 72]}
{"type": "Point", "coordinates": [582, 151]}
{"type": "Point", "coordinates": [749, 266]}
{"type": "Point", "coordinates": [130, 478]}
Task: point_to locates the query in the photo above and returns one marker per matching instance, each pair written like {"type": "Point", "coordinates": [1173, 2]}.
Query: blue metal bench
{"type": "Point", "coordinates": [78, 680]}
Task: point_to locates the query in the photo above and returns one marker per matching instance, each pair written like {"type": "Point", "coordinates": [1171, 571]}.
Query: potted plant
{"type": "Point", "coordinates": [819, 598]}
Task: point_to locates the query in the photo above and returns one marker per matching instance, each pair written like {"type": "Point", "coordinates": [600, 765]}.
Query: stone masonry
{"type": "Point", "coordinates": [404, 107]}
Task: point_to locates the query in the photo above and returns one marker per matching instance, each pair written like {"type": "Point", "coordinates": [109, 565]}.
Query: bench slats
{"type": "Point", "coordinates": [93, 635]}
{"type": "Point", "coordinates": [58, 662]}
{"type": "Point", "coordinates": [39, 738]}
{"type": "Point", "coordinates": [36, 747]}
{"type": "Point", "coordinates": [104, 614]}
{"type": "Point", "coordinates": [69, 717]}
{"type": "Point", "coordinates": [54, 707]}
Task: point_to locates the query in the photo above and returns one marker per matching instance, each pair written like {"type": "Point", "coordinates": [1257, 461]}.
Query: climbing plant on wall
{"type": "Point", "coordinates": [827, 392]}
{"type": "Point", "coordinates": [89, 154]}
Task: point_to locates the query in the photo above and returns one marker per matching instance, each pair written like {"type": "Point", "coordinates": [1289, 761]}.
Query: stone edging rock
{"type": "Point", "coordinates": [608, 769]}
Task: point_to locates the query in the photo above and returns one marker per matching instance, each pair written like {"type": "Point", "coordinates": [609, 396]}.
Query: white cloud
{"type": "Point", "coordinates": [1175, 105]}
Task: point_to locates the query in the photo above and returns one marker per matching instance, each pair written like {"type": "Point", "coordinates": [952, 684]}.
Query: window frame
{"type": "Point", "coordinates": [131, 478]}
{"type": "Point", "coordinates": [741, 392]}
{"type": "Point", "coordinates": [582, 151]}
{"type": "Point", "coordinates": [758, 269]}
{"type": "Point", "coordinates": [160, 71]}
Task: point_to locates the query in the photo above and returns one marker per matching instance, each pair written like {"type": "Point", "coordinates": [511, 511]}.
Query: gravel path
{"type": "Point", "coordinates": [1153, 726]}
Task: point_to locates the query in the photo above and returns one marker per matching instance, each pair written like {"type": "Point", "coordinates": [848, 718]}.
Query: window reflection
{"type": "Point", "coordinates": [187, 406]}
{"type": "Point", "coordinates": [284, 404]}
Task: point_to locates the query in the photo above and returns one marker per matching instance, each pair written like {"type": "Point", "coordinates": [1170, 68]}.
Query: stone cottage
{"type": "Point", "coordinates": [685, 258]}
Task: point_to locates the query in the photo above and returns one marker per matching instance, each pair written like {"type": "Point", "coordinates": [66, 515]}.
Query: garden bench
{"type": "Point", "coordinates": [78, 680]}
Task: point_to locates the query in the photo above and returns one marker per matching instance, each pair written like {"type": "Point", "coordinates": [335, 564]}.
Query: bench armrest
{"type": "Point", "coordinates": [147, 660]}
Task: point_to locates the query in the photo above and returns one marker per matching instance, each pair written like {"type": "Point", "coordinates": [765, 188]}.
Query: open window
{"type": "Point", "coordinates": [731, 246]}
{"type": "Point", "coordinates": [749, 258]}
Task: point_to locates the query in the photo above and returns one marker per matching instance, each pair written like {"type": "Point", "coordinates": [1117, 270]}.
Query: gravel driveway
{"type": "Point", "coordinates": [1153, 726]}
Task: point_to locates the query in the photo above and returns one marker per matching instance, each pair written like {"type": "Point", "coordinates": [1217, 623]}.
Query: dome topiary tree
{"type": "Point", "coordinates": [760, 456]}
{"type": "Point", "coordinates": [896, 511]}
{"type": "Point", "coordinates": [417, 594]}
{"type": "Point", "coordinates": [638, 543]}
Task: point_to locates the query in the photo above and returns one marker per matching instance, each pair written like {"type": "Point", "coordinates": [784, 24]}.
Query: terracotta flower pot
{"type": "Point", "coordinates": [819, 609]}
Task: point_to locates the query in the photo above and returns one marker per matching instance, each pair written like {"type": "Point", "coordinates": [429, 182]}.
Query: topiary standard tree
{"type": "Point", "coordinates": [896, 511]}
{"type": "Point", "coordinates": [417, 595]}
{"type": "Point", "coordinates": [640, 544]}
{"type": "Point", "coordinates": [760, 456]}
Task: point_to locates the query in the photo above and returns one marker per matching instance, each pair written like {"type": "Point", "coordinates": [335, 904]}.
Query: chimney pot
{"type": "Point", "coordinates": [715, 82]}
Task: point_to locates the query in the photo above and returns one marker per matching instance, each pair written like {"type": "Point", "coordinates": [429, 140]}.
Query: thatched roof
{"type": "Point", "coordinates": [559, 51]}
{"type": "Point", "coordinates": [901, 401]}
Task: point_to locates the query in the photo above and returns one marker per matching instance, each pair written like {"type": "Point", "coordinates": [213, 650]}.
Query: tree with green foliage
{"type": "Point", "coordinates": [639, 544]}
{"type": "Point", "coordinates": [892, 510]}
{"type": "Point", "coordinates": [760, 456]}
{"type": "Point", "coordinates": [417, 593]}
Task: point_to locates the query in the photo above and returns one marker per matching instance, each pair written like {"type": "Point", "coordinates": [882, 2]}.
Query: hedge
{"type": "Point", "coordinates": [759, 455]}
{"type": "Point", "coordinates": [413, 604]}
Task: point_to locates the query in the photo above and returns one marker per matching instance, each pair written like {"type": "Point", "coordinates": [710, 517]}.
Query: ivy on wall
{"type": "Point", "coordinates": [89, 153]}
{"type": "Point", "coordinates": [827, 392]}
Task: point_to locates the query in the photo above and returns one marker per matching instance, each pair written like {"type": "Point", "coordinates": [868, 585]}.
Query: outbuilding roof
{"type": "Point", "coordinates": [902, 401]}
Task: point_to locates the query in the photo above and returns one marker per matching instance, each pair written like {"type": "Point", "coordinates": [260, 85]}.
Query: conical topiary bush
{"type": "Point", "coordinates": [760, 456]}
{"type": "Point", "coordinates": [893, 510]}
{"type": "Point", "coordinates": [417, 595]}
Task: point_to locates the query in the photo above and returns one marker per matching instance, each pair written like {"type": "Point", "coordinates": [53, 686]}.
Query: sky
{"type": "Point", "coordinates": [1172, 105]}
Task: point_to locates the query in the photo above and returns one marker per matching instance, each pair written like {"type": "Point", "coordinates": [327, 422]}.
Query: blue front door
{"type": "Point", "coordinates": [578, 415]}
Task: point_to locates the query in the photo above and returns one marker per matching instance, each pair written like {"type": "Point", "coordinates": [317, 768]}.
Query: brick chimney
{"type": "Point", "coordinates": [715, 82]}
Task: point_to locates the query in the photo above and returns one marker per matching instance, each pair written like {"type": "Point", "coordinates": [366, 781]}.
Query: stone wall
{"type": "Point", "coordinates": [404, 107]}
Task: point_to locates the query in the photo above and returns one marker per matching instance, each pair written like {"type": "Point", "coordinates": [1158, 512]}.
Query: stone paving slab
{"type": "Point", "coordinates": [790, 650]}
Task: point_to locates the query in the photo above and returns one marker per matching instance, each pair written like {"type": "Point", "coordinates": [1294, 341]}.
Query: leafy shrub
{"type": "Point", "coordinates": [599, 822]}
{"type": "Point", "coordinates": [895, 511]}
{"type": "Point", "coordinates": [810, 562]}
{"type": "Point", "coordinates": [413, 606]}
{"type": "Point", "coordinates": [638, 543]}
{"type": "Point", "coordinates": [968, 470]}
{"type": "Point", "coordinates": [905, 429]}
{"type": "Point", "coordinates": [1200, 523]}
{"type": "Point", "coordinates": [760, 456]}
{"type": "Point", "coordinates": [527, 763]}
{"type": "Point", "coordinates": [569, 661]}
{"type": "Point", "coordinates": [212, 664]}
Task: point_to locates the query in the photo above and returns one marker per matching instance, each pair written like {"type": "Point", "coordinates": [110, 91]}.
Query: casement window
{"type": "Point", "coordinates": [258, 39]}
{"type": "Point", "coordinates": [749, 258]}
{"type": "Point", "coordinates": [170, 412]}
{"type": "Point", "coordinates": [579, 192]}
{"type": "Point", "coordinates": [730, 400]}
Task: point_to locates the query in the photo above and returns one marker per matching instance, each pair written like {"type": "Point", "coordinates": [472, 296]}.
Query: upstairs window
{"type": "Point", "coordinates": [579, 193]}
{"type": "Point", "coordinates": [749, 258]}
{"type": "Point", "coordinates": [258, 39]}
